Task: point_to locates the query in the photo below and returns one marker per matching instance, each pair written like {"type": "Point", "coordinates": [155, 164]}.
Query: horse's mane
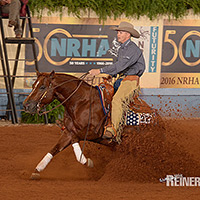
{"type": "Point", "coordinates": [65, 76]}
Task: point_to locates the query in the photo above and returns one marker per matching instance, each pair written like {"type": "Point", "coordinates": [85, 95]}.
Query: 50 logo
{"type": "Point", "coordinates": [192, 48]}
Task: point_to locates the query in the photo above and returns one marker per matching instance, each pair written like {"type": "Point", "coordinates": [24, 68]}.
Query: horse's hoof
{"type": "Point", "coordinates": [35, 176]}
{"type": "Point", "coordinates": [90, 163]}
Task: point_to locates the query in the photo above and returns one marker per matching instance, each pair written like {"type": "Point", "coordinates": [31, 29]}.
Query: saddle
{"type": "Point", "coordinates": [108, 91]}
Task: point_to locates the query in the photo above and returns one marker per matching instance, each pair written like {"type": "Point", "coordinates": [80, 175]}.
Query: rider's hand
{"type": "Point", "coordinates": [94, 72]}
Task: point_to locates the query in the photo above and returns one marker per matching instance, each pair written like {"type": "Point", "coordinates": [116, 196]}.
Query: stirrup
{"type": "Point", "coordinates": [109, 134]}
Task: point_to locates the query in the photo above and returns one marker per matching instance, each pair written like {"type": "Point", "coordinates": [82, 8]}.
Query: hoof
{"type": "Point", "coordinates": [90, 163]}
{"type": "Point", "coordinates": [35, 176]}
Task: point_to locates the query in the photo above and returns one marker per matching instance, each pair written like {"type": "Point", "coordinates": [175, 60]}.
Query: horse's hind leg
{"type": "Point", "coordinates": [63, 142]}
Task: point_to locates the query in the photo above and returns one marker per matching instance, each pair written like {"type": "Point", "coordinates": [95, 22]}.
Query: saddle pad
{"type": "Point", "coordinates": [132, 118]}
{"type": "Point", "coordinates": [135, 119]}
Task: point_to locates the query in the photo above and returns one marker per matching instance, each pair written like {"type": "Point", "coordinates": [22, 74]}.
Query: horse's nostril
{"type": "Point", "coordinates": [30, 107]}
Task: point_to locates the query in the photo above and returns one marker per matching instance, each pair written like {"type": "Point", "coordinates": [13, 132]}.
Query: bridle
{"type": "Point", "coordinates": [43, 96]}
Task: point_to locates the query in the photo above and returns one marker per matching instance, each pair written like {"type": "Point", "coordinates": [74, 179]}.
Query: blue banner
{"type": "Point", "coordinates": [153, 49]}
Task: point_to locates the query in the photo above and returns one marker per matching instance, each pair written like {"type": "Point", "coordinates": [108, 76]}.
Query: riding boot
{"type": "Point", "coordinates": [109, 132]}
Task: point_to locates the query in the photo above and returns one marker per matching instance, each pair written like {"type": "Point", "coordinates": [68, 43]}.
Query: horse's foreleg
{"type": "Point", "coordinates": [62, 143]}
{"type": "Point", "coordinates": [80, 156]}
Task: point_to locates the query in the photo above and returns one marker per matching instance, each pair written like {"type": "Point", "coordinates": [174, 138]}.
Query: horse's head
{"type": "Point", "coordinates": [42, 92]}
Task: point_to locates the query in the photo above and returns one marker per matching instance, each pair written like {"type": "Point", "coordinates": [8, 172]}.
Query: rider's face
{"type": "Point", "coordinates": [123, 36]}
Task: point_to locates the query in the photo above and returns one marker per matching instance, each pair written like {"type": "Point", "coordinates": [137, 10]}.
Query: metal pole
{"type": "Point", "coordinates": [6, 84]}
{"type": "Point", "coordinates": [17, 56]}
{"type": "Point", "coordinates": [10, 91]}
{"type": "Point", "coordinates": [31, 33]}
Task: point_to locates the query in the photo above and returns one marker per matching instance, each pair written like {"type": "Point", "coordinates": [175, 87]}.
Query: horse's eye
{"type": "Point", "coordinates": [42, 87]}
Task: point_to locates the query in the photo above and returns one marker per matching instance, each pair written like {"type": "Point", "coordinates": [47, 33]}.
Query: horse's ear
{"type": "Point", "coordinates": [52, 74]}
{"type": "Point", "coordinates": [37, 73]}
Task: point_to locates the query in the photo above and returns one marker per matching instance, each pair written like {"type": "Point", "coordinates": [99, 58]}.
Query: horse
{"type": "Point", "coordinates": [84, 117]}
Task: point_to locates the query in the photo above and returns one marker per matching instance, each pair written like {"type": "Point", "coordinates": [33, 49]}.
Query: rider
{"type": "Point", "coordinates": [129, 67]}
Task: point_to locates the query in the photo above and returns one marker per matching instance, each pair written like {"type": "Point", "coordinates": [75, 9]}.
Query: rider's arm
{"type": "Point", "coordinates": [129, 58]}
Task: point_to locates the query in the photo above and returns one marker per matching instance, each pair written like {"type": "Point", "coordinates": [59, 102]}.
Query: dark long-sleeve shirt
{"type": "Point", "coordinates": [130, 61]}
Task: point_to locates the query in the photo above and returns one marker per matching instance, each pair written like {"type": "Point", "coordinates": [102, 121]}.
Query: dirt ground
{"type": "Point", "coordinates": [127, 171]}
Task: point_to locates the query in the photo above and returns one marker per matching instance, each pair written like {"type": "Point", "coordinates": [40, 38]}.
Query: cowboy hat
{"type": "Point", "coordinates": [128, 27]}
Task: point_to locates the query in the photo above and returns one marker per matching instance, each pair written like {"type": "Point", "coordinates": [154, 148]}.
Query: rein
{"type": "Point", "coordinates": [49, 89]}
{"type": "Point", "coordinates": [89, 119]}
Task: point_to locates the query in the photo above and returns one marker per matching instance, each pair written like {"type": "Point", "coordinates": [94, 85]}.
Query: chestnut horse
{"type": "Point", "coordinates": [83, 113]}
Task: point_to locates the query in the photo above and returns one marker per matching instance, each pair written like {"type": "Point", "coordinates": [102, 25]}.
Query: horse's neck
{"type": "Point", "coordinates": [65, 87]}
{"type": "Point", "coordinates": [64, 84]}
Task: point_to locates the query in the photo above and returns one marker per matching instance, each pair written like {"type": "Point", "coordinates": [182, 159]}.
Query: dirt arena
{"type": "Point", "coordinates": [127, 171]}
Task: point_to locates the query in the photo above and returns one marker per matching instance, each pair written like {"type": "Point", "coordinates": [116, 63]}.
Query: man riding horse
{"type": "Point", "coordinates": [129, 67]}
{"type": "Point", "coordinates": [84, 115]}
